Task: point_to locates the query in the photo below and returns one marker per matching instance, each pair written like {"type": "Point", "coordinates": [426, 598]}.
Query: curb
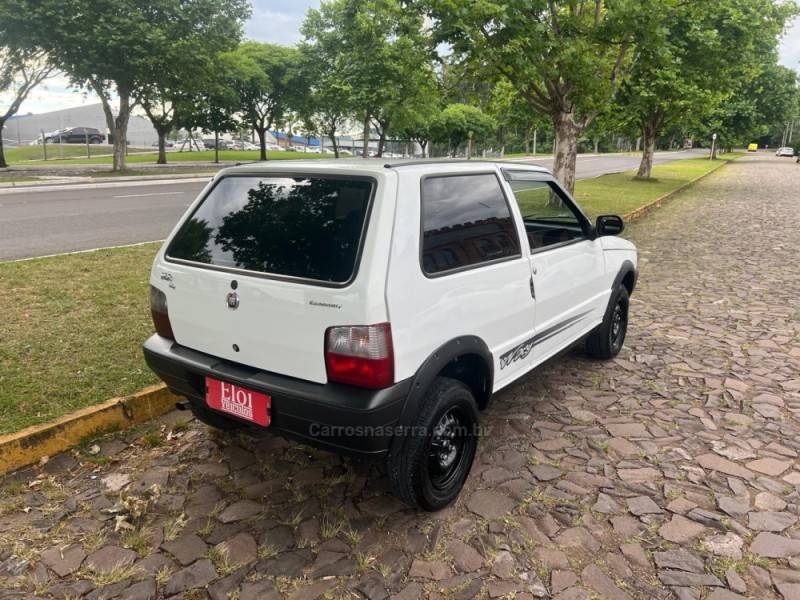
{"type": "Point", "coordinates": [28, 446]}
{"type": "Point", "coordinates": [638, 213]}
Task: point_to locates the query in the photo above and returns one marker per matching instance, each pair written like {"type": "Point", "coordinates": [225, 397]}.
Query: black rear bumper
{"type": "Point", "coordinates": [332, 416]}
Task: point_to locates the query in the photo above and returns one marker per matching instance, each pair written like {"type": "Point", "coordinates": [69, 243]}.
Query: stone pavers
{"type": "Point", "coordinates": [670, 472]}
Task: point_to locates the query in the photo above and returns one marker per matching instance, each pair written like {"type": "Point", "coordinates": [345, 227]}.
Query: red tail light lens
{"type": "Point", "coordinates": [360, 355]}
{"type": "Point", "coordinates": [158, 310]}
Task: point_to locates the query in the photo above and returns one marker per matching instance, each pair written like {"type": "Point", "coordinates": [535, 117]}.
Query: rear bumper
{"type": "Point", "coordinates": [332, 416]}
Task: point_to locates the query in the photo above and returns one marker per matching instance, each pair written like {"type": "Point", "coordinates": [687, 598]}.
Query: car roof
{"type": "Point", "coordinates": [375, 165]}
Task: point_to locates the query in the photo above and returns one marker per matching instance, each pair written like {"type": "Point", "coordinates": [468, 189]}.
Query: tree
{"type": "Point", "coordinates": [213, 110]}
{"type": "Point", "coordinates": [327, 106]}
{"type": "Point", "coordinates": [20, 72]}
{"type": "Point", "coordinates": [381, 52]}
{"type": "Point", "coordinates": [104, 46]}
{"type": "Point", "coordinates": [756, 106]}
{"type": "Point", "coordinates": [418, 124]}
{"type": "Point", "coordinates": [515, 118]}
{"type": "Point", "coordinates": [684, 68]}
{"type": "Point", "coordinates": [566, 58]}
{"type": "Point", "coordinates": [459, 123]}
{"type": "Point", "coordinates": [184, 56]}
{"type": "Point", "coordinates": [267, 79]}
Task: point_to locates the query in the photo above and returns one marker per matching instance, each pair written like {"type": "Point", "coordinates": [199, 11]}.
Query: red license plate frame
{"type": "Point", "coordinates": [238, 401]}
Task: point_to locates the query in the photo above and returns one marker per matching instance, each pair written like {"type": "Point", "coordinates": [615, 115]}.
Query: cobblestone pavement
{"type": "Point", "coordinates": [670, 472]}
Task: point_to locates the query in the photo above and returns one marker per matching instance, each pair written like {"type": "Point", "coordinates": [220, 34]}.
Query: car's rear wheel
{"type": "Point", "coordinates": [608, 338]}
{"type": "Point", "coordinates": [429, 465]}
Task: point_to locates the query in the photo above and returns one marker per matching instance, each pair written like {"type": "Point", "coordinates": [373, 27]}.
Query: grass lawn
{"type": "Point", "coordinates": [15, 178]}
{"type": "Point", "coordinates": [73, 325]}
{"type": "Point", "coordinates": [26, 154]}
{"type": "Point", "coordinates": [23, 154]}
{"type": "Point", "coordinates": [72, 331]}
{"type": "Point", "coordinates": [620, 193]}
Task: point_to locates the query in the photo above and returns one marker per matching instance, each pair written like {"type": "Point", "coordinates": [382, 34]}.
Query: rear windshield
{"type": "Point", "coordinates": [306, 227]}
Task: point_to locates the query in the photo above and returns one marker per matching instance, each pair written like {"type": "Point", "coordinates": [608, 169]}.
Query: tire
{"type": "Point", "coordinates": [95, 141]}
{"type": "Point", "coordinates": [214, 419]}
{"type": "Point", "coordinates": [428, 468]}
{"type": "Point", "coordinates": [607, 339]}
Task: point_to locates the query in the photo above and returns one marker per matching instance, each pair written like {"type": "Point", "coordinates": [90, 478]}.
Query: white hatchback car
{"type": "Point", "coordinates": [375, 308]}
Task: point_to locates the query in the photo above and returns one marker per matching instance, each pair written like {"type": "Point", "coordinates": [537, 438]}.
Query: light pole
{"type": "Point", "coordinates": [713, 143]}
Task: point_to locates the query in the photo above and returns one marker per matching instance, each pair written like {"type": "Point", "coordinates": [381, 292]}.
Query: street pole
{"type": "Point", "coordinates": [86, 136]}
{"type": "Point", "coordinates": [713, 142]}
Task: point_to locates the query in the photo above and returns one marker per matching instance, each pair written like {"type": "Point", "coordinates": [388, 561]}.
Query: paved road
{"type": "Point", "coordinates": [76, 218]}
{"type": "Point", "coordinates": [670, 472]}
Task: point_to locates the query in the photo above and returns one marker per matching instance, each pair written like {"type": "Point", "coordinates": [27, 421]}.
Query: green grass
{"type": "Point", "coordinates": [15, 178]}
{"type": "Point", "coordinates": [620, 193]}
{"type": "Point", "coordinates": [72, 332]}
{"type": "Point", "coordinates": [75, 154]}
{"type": "Point", "coordinates": [73, 325]}
{"type": "Point", "coordinates": [25, 154]}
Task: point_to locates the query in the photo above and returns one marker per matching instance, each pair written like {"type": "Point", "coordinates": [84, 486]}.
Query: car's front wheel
{"type": "Point", "coordinates": [430, 463]}
{"type": "Point", "coordinates": [608, 338]}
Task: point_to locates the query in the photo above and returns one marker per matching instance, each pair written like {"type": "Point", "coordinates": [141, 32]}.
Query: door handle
{"type": "Point", "coordinates": [533, 290]}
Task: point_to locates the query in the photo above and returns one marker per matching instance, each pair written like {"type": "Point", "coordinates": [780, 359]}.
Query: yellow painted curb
{"type": "Point", "coordinates": [638, 213]}
{"type": "Point", "coordinates": [30, 445]}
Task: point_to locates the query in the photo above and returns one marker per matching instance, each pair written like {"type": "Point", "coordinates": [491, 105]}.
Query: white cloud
{"type": "Point", "coordinates": [55, 93]}
{"type": "Point", "coordinates": [790, 47]}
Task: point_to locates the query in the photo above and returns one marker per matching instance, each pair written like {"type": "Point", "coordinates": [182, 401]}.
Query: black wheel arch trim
{"type": "Point", "coordinates": [436, 362]}
{"type": "Point", "coordinates": [625, 269]}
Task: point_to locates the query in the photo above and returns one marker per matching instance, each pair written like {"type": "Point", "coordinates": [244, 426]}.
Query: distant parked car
{"type": "Point", "coordinates": [75, 135]}
{"type": "Point", "coordinates": [241, 145]}
{"type": "Point", "coordinates": [275, 148]}
{"type": "Point", "coordinates": [785, 151]}
{"type": "Point", "coordinates": [210, 144]}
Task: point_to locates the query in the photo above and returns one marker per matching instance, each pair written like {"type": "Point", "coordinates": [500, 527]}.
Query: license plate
{"type": "Point", "coordinates": [238, 401]}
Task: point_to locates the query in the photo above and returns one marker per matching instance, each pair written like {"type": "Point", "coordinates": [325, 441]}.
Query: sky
{"type": "Point", "coordinates": [278, 21]}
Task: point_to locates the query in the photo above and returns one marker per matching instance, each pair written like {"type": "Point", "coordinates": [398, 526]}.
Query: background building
{"type": "Point", "coordinates": [22, 129]}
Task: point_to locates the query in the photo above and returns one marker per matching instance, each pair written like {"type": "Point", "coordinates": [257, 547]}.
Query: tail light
{"type": "Point", "coordinates": [158, 310]}
{"type": "Point", "coordinates": [360, 355]}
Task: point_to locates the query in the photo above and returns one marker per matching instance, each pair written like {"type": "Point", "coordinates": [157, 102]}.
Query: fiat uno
{"type": "Point", "coordinates": [374, 309]}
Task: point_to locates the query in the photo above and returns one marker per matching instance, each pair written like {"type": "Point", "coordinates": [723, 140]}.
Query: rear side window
{"type": "Point", "coordinates": [466, 221]}
{"type": "Point", "coordinates": [303, 227]}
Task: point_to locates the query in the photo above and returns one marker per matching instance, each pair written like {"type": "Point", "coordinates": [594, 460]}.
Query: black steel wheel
{"type": "Point", "coordinates": [429, 465]}
{"type": "Point", "coordinates": [608, 338]}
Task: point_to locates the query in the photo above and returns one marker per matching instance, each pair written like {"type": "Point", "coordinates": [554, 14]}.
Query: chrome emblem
{"type": "Point", "coordinates": [233, 300]}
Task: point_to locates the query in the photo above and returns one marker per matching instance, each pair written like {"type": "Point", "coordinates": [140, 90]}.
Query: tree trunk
{"type": "Point", "coordinates": [118, 126]}
{"type": "Point", "coordinates": [567, 131]}
{"type": "Point", "coordinates": [331, 133]}
{"type": "Point", "coordinates": [365, 143]}
{"type": "Point", "coordinates": [3, 163]}
{"type": "Point", "coordinates": [423, 144]}
{"type": "Point", "coordinates": [262, 142]}
{"type": "Point", "coordinates": [162, 148]}
{"type": "Point", "coordinates": [381, 142]}
{"type": "Point", "coordinates": [649, 149]}
{"type": "Point", "coordinates": [216, 147]}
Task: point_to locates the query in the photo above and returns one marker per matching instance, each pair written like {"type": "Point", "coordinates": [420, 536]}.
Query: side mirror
{"type": "Point", "coordinates": [609, 225]}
